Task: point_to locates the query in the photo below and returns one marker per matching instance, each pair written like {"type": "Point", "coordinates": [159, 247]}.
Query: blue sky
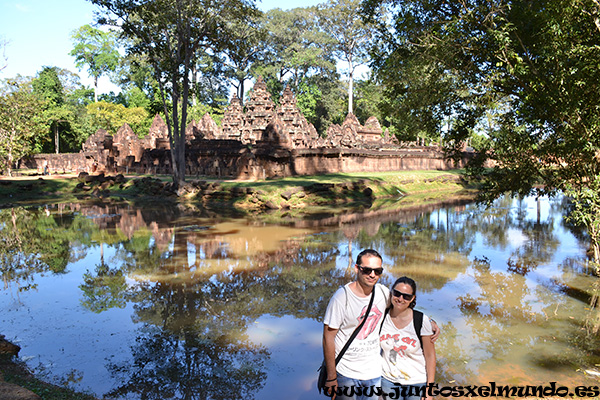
{"type": "Point", "coordinates": [38, 32]}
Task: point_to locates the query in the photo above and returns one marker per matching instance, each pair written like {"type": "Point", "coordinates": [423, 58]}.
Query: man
{"type": "Point", "coordinates": [361, 364]}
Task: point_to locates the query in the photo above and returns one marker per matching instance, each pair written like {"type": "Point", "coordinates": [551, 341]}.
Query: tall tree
{"type": "Point", "coordinates": [21, 122]}
{"type": "Point", "coordinates": [170, 33]}
{"type": "Point", "coordinates": [532, 68]}
{"type": "Point", "coordinates": [97, 50]}
{"type": "Point", "coordinates": [351, 36]}
{"type": "Point", "coordinates": [48, 86]}
{"type": "Point", "coordinates": [242, 49]}
{"type": "Point", "coordinates": [294, 49]}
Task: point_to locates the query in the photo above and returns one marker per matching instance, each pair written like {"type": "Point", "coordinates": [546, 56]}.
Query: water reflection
{"type": "Point", "coordinates": [182, 304]}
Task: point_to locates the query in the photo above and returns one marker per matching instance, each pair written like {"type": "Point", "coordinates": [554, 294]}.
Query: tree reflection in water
{"type": "Point", "coordinates": [192, 342]}
{"type": "Point", "coordinates": [188, 347]}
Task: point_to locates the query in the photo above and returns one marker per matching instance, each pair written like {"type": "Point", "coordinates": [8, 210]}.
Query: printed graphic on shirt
{"type": "Point", "coordinates": [370, 324]}
{"type": "Point", "coordinates": [399, 347]}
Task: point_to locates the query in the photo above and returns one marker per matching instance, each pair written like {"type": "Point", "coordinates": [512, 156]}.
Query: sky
{"type": "Point", "coordinates": [39, 34]}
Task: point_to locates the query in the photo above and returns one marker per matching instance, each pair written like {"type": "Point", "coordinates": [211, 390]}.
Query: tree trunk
{"type": "Point", "coordinates": [194, 84]}
{"type": "Point", "coordinates": [56, 144]}
{"type": "Point", "coordinates": [350, 94]}
{"type": "Point", "coordinates": [241, 91]}
{"type": "Point", "coordinates": [350, 87]}
{"type": "Point", "coordinates": [9, 159]}
{"type": "Point", "coordinates": [95, 89]}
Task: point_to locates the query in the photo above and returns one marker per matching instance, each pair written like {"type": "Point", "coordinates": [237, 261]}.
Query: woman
{"type": "Point", "coordinates": [407, 360]}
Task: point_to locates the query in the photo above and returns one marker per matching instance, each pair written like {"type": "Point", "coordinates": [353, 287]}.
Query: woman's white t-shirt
{"type": "Point", "coordinates": [402, 357]}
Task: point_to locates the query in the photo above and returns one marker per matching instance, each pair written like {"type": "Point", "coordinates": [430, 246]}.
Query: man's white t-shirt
{"type": "Point", "coordinates": [345, 312]}
{"type": "Point", "coordinates": [403, 359]}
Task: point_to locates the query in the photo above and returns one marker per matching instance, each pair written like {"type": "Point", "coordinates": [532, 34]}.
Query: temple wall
{"type": "Point", "coordinates": [233, 160]}
{"type": "Point", "coordinates": [356, 160]}
{"type": "Point", "coordinates": [58, 163]}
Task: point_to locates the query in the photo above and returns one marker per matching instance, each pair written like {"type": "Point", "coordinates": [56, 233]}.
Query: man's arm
{"type": "Point", "coordinates": [329, 354]}
{"type": "Point", "coordinates": [436, 330]}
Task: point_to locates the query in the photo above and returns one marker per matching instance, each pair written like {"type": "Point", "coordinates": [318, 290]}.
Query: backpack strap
{"type": "Point", "coordinates": [418, 323]}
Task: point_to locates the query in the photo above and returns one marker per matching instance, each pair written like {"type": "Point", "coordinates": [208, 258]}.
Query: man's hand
{"type": "Point", "coordinates": [436, 331]}
{"type": "Point", "coordinates": [330, 387]}
{"type": "Point", "coordinates": [329, 354]}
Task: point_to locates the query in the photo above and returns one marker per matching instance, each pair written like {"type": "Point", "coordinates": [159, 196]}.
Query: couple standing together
{"type": "Point", "coordinates": [387, 351]}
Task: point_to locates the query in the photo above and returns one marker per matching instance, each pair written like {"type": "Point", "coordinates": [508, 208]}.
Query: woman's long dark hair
{"type": "Point", "coordinates": [412, 284]}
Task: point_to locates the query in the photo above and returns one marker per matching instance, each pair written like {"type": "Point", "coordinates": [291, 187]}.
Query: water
{"type": "Point", "coordinates": [165, 302]}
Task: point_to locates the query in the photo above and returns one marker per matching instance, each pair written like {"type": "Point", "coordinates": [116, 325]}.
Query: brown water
{"type": "Point", "coordinates": [160, 302]}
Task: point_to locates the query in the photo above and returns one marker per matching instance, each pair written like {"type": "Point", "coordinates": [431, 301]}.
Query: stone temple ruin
{"type": "Point", "coordinates": [262, 141]}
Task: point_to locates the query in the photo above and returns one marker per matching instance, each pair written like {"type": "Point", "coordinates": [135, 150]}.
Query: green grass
{"type": "Point", "coordinates": [31, 190]}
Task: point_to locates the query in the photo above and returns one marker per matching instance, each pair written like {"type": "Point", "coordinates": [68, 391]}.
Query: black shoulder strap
{"type": "Point", "coordinates": [418, 323]}
{"type": "Point", "coordinates": [358, 328]}
{"type": "Point", "coordinates": [387, 311]}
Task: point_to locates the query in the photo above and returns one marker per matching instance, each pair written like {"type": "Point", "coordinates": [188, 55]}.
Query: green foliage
{"type": "Point", "coordinates": [586, 203]}
{"type": "Point", "coordinates": [21, 122]}
{"type": "Point", "coordinates": [368, 95]}
{"type": "Point", "coordinates": [66, 119]}
{"type": "Point", "coordinates": [48, 86]}
{"type": "Point", "coordinates": [95, 49]}
{"type": "Point", "coordinates": [299, 54]}
{"type": "Point", "coordinates": [111, 116]}
{"type": "Point", "coordinates": [242, 48]}
{"type": "Point", "coordinates": [198, 111]}
{"type": "Point", "coordinates": [321, 101]}
{"type": "Point", "coordinates": [29, 247]}
{"type": "Point", "coordinates": [104, 290]}
{"type": "Point", "coordinates": [210, 83]}
{"type": "Point", "coordinates": [307, 99]}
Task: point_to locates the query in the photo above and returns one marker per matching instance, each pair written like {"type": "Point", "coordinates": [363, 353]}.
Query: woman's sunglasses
{"type": "Point", "coordinates": [398, 293]}
{"type": "Point", "coordinates": [367, 270]}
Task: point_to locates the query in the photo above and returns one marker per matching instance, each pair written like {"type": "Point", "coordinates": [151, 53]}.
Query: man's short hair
{"type": "Point", "coordinates": [368, 253]}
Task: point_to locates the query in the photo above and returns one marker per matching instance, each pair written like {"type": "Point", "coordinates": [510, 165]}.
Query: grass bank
{"type": "Point", "coordinates": [14, 376]}
{"type": "Point", "coordinates": [292, 193]}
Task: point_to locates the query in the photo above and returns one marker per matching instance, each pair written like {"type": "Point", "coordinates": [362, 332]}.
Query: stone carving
{"type": "Point", "coordinates": [233, 120]}
{"type": "Point", "coordinates": [259, 112]}
{"type": "Point", "coordinates": [127, 147]}
{"type": "Point", "coordinates": [301, 133]}
{"type": "Point", "coordinates": [209, 129]}
{"type": "Point", "coordinates": [353, 135]}
{"type": "Point", "coordinates": [158, 136]}
{"type": "Point", "coordinates": [98, 141]}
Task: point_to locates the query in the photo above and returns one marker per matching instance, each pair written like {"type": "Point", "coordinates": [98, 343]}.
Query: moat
{"type": "Point", "coordinates": [139, 302]}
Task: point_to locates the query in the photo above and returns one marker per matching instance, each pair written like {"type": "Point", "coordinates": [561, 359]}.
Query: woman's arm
{"type": "Point", "coordinates": [430, 360]}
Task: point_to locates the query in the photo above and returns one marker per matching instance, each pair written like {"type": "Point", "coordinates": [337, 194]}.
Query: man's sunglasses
{"type": "Point", "coordinates": [367, 270]}
{"type": "Point", "coordinates": [398, 293]}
